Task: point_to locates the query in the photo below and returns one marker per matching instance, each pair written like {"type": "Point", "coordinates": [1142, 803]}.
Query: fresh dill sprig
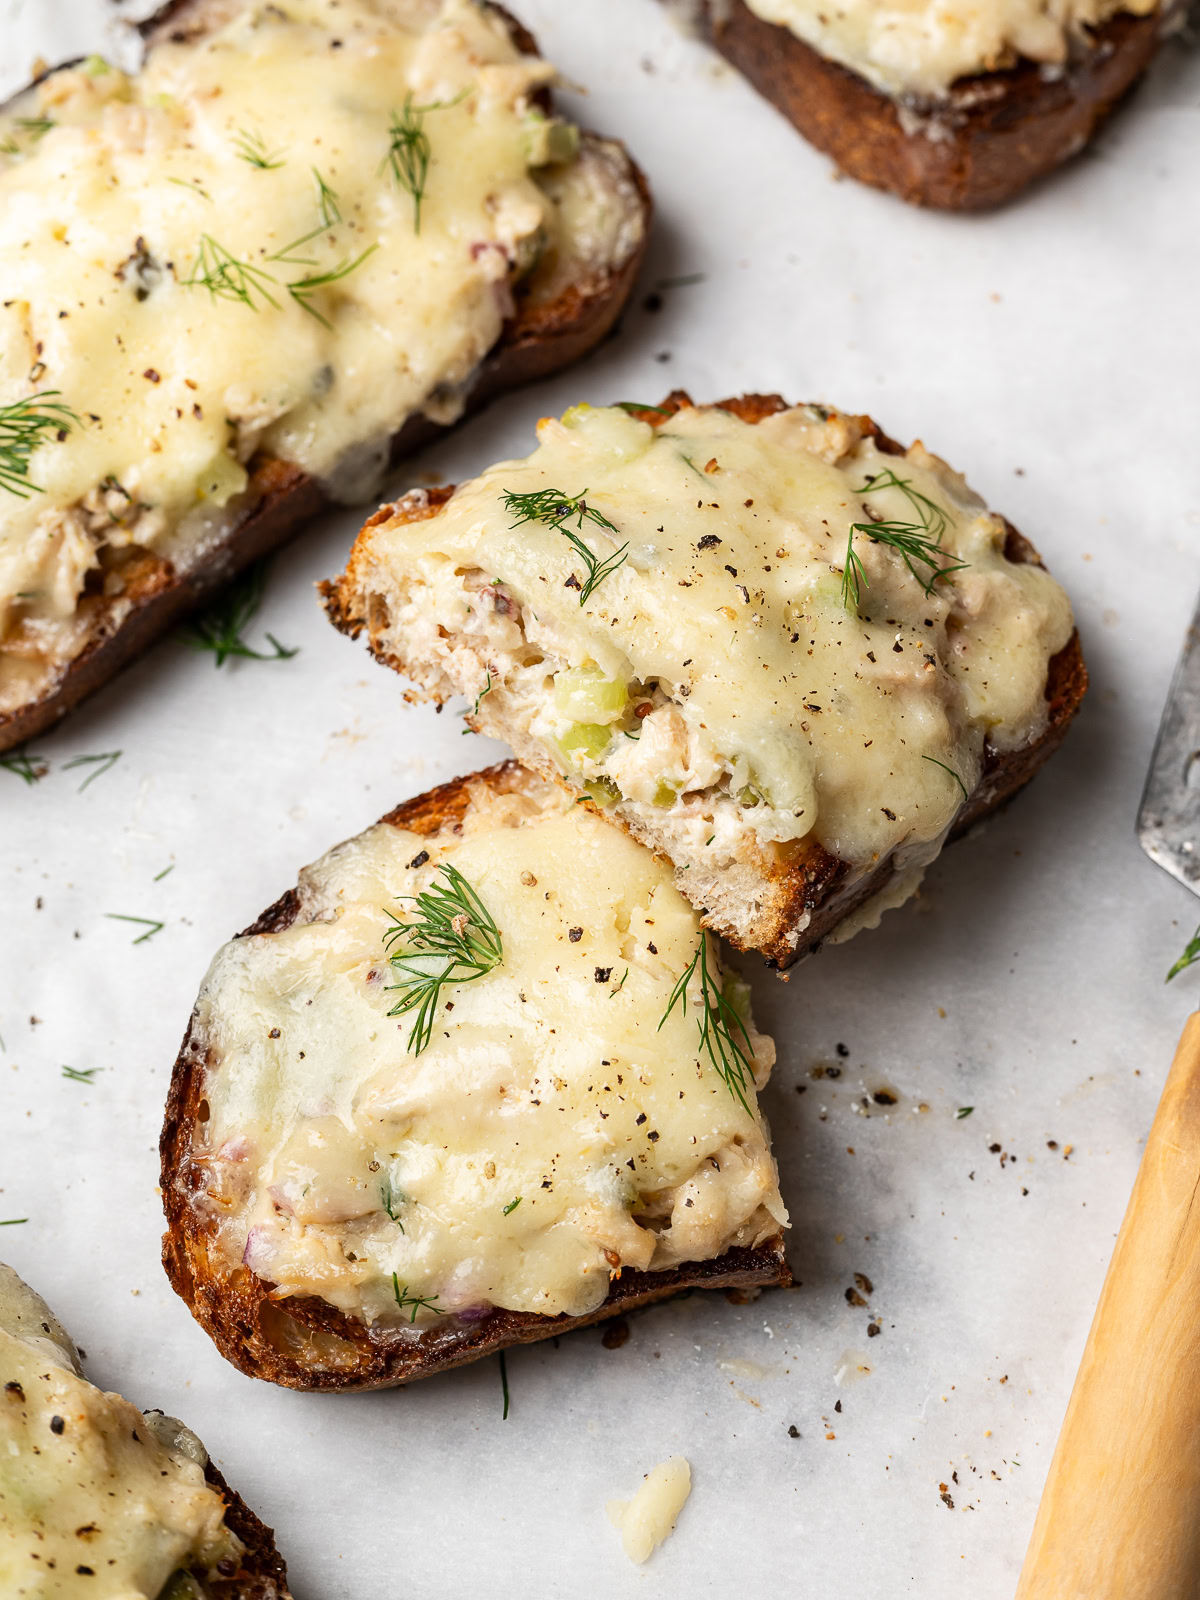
{"type": "Point", "coordinates": [963, 1111]}
{"type": "Point", "coordinates": [636, 405]}
{"type": "Point", "coordinates": [159, 876]}
{"type": "Point", "coordinates": [252, 147]}
{"type": "Point", "coordinates": [390, 1198]}
{"type": "Point", "coordinates": [918, 540]}
{"type": "Point", "coordinates": [36, 127]}
{"type": "Point", "coordinates": [620, 986]}
{"type": "Point", "coordinates": [327, 202]}
{"type": "Point", "coordinates": [220, 626]}
{"type": "Point", "coordinates": [486, 690]}
{"type": "Point", "coordinates": [23, 426]}
{"type": "Point", "coordinates": [303, 287]}
{"type": "Point", "coordinates": [12, 1222]}
{"type": "Point", "coordinates": [81, 1074]}
{"type": "Point", "coordinates": [451, 940]}
{"type": "Point", "coordinates": [148, 923]}
{"type": "Point", "coordinates": [555, 510]}
{"type": "Point", "coordinates": [952, 773]}
{"type": "Point", "coordinates": [512, 1205]}
{"type": "Point", "coordinates": [187, 183]}
{"type": "Point", "coordinates": [409, 150]}
{"type": "Point", "coordinates": [1191, 954]}
{"type": "Point", "coordinates": [418, 1302]}
{"type": "Point", "coordinates": [503, 1382]}
{"type": "Point", "coordinates": [102, 764]}
{"type": "Point", "coordinates": [30, 769]}
{"type": "Point", "coordinates": [227, 278]}
{"type": "Point", "coordinates": [719, 1028]}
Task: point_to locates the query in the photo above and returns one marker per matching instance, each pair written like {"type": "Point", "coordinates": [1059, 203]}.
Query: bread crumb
{"type": "Point", "coordinates": [650, 1517]}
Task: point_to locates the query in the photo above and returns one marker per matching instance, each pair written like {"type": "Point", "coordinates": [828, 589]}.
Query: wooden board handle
{"type": "Point", "coordinates": [1120, 1514]}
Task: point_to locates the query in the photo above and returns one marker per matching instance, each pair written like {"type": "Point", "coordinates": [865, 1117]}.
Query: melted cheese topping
{"type": "Point", "coordinates": [920, 47]}
{"type": "Point", "coordinates": [95, 1499]}
{"type": "Point", "coordinates": [549, 1135]}
{"type": "Point", "coordinates": [650, 1517]}
{"type": "Point", "coordinates": [715, 685]}
{"type": "Point", "coordinates": [217, 257]}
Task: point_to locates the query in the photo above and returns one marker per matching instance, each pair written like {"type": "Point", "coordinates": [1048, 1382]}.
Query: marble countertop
{"type": "Point", "coordinates": [1047, 352]}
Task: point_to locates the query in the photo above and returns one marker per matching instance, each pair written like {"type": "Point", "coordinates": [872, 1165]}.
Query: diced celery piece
{"type": "Point", "coordinates": [585, 739]}
{"type": "Point", "coordinates": [603, 791]}
{"type": "Point", "coordinates": [574, 414]}
{"type": "Point", "coordinates": [666, 794]}
{"type": "Point", "coordinates": [585, 695]}
{"type": "Point", "coordinates": [549, 139]}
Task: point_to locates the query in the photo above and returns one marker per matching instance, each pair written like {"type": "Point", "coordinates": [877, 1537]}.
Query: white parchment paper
{"type": "Point", "coordinates": [1050, 352]}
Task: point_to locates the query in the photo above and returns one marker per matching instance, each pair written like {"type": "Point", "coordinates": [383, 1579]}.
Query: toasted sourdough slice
{"type": "Point", "coordinates": [313, 259]}
{"type": "Point", "coordinates": [98, 1498]}
{"type": "Point", "coordinates": [872, 88]}
{"type": "Point", "coordinates": [782, 651]}
{"type": "Point", "coordinates": [379, 1162]}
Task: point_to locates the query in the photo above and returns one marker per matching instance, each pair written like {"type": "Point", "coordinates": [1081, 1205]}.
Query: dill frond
{"type": "Point", "coordinates": [719, 1028]}
{"type": "Point", "coordinates": [555, 509]}
{"type": "Point", "coordinates": [452, 939]}
{"type": "Point", "coordinates": [915, 541]}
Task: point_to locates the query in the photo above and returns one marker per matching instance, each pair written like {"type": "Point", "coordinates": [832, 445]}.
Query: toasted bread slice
{"type": "Point", "coordinates": [794, 749]}
{"type": "Point", "coordinates": [975, 146]}
{"type": "Point", "coordinates": [137, 588]}
{"type": "Point", "coordinates": [355, 1200]}
{"type": "Point", "coordinates": [84, 1476]}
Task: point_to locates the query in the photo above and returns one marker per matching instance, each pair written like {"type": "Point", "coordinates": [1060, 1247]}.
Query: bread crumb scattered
{"type": "Point", "coordinates": [646, 1520]}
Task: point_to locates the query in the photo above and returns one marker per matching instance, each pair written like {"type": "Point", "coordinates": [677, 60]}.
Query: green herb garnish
{"type": "Point", "coordinates": [35, 127]}
{"type": "Point", "coordinates": [12, 1222]}
{"type": "Point", "coordinates": [148, 923]}
{"type": "Point", "coordinates": [252, 147]}
{"type": "Point", "coordinates": [103, 764]}
{"type": "Point", "coordinates": [390, 1198]}
{"type": "Point", "coordinates": [186, 183]}
{"type": "Point", "coordinates": [159, 876]}
{"type": "Point", "coordinates": [503, 1384]}
{"type": "Point", "coordinates": [408, 149]}
{"type": "Point", "coordinates": [303, 287]}
{"type": "Point", "coordinates": [327, 202]}
{"type": "Point", "coordinates": [451, 940]}
{"type": "Point", "coordinates": [227, 278]}
{"type": "Point", "coordinates": [512, 1205]}
{"type": "Point", "coordinates": [963, 1111]}
{"type": "Point", "coordinates": [555, 509]}
{"type": "Point", "coordinates": [1191, 954]}
{"type": "Point", "coordinates": [620, 986]}
{"type": "Point", "coordinates": [952, 773]}
{"type": "Point", "coordinates": [915, 541]}
{"type": "Point", "coordinates": [418, 1302]}
{"type": "Point", "coordinates": [636, 405]}
{"type": "Point", "coordinates": [81, 1074]}
{"type": "Point", "coordinates": [219, 627]}
{"type": "Point", "coordinates": [719, 1028]}
{"type": "Point", "coordinates": [30, 769]}
{"type": "Point", "coordinates": [487, 689]}
{"type": "Point", "coordinates": [24, 425]}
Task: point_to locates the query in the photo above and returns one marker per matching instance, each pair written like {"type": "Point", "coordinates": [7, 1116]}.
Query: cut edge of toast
{"type": "Point", "coordinates": [809, 882]}
{"type": "Point", "coordinates": [263, 1572]}
{"type": "Point", "coordinates": [540, 339]}
{"type": "Point", "coordinates": [992, 135]}
{"type": "Point", "coordinates": [306, 1343]}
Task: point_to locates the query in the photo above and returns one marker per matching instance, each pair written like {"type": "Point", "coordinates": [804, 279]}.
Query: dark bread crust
{"type": "Point", "coordinates": [263, 1571]}
{"type": "Point", "coordinates": [541, 338]}
{"type": "Point", "coordinates": [993, 134]}
{"type": "Point", "coordinates": [807, 879]}
{"type": "Point", "coordinates": [305, 1343]}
